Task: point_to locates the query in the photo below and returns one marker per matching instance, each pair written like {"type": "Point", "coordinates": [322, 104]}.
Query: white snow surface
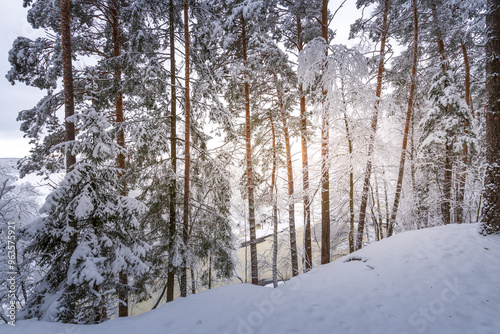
{"type": "Point", "coordinates": [438, 280]}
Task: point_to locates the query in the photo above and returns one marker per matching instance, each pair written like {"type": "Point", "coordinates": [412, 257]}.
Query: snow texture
{"type": "Point", "coordinates": [438, 280]}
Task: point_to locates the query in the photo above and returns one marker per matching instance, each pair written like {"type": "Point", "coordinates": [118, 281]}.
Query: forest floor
{"type": "Point", "coordinates": [438, 280]}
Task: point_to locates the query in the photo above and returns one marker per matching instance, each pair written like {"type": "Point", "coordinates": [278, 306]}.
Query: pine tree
{"type": "Point", "coordinates": [491, 216]}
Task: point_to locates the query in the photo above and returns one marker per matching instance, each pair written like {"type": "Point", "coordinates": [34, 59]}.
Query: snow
{"type": "Point", "coordinates": [438, 280]}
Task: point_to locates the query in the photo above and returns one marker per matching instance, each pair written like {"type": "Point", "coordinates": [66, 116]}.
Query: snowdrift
{"type": "Point", "coordinates": [439, 280]}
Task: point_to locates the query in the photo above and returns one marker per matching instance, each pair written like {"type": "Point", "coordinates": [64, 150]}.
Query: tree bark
{"type": "Point", "coordinates": [325, 163]}
{"type": "Point", "coordinates": [462, 178]}
{"type": "Point", "coordinates": [409, 112]}
{"type": "Point", "coordinates": [378, 93]}
{"type": "Point", "coordinates": [186, 148]}
{"type": "Point", "coordinates": [69, 100]}
{"type": "Point", "coordinates": [289, 170]}
{"type": "Point", "coordinates": [173, 153]}
{"type": "Point", "coordinates": [275, 206]}
{"type": "Point", "coordinates": [490, 222]}
{"type": "Point", "coordinates": [69, 111]}
{"type": "Point", "coordinates": [120, 139]}
{"type": "Point", "coordinates": [248, 138]}
{"type": "Point", "coordinates": [305, 164]}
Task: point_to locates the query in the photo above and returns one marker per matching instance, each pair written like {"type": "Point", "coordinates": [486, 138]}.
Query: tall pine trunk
{"type": "Point", "coordinates": [378, 93]}
{"type": "Point", "coordinates": [448, 164]}
{"type": "Point", "coordinates": [462, 177]}
{"type": "Point", "coordinates": [186, 148]}
{"type": "Point", "coordinates": [409, 112]}
{"type": "Point", "coordinates": [305, 164]}
{"type": "Point", "coordinates": [289, 171]}
{"type": "Point", "coordinates": [248, 138]}
{"type": "Point", "coordinates": [491, 212]}
{"type": "Point", "coordinates": [120, 139]}
{"type": "Point", "coordinates": [173, 152]}
{"type": "Point", "coordinates": [69, 111]}
{"type": "Point", "coordinates": [275, 205]}
{"type": "Point", "coordinates": [351, 173]}
{"type": "Point", "coordinates": [325, 163]}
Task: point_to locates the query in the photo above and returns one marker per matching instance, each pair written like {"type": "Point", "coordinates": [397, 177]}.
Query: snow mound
{"type": "Point", "coordinates": [439, 280]}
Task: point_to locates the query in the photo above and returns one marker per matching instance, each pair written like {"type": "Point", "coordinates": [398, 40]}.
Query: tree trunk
{"type": "Point", "coordinates": [173, 153]}
{"type": "Point", "coordinates": [351, 173]}
{"type": "Point", "coordinates": [462, 178]}
{"type": "Point", "coordinates": [275, 206]}
{"type": "Point", "coordinates": [120, 139]}
{"type": "Point", "coordinates": [448, 165]}
{"type": "Point", "coordinates": [325, 163]}
{"type": "Point", "coordinates": [409, 112]}
{"type": "Point", "coordinates": [491, 212]}
{"type": "Point", "coordinates": [69, 100]}
{"type": "Point", "coordinates": [248, 138]}
{"type": "Point", "coordinates": [289, 170]}
{"type": "Point", "coordinates": [447, 186]}
{"type": "Point", "coordinates": [378, 93]}
{"type": "Point", "coordinates": [305, 165]}
{"type": "Point", "coordinates": [186, 149]}
{"type": "Point", "coordinates": [69, 111]}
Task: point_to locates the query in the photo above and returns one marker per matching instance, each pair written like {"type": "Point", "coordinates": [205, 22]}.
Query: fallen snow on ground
{"type": "Point", "coordinates": [438, 280]}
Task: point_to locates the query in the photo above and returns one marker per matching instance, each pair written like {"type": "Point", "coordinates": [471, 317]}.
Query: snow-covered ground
{"type": "Point", "coordinates": [440, 280]}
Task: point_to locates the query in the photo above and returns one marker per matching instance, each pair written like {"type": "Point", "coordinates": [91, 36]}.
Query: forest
{"type": "Point", "coordinates": [172, 133]}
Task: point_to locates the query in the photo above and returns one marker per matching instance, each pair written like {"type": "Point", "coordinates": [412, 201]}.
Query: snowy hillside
{"type": "Point", "coordinates": [439, 280]}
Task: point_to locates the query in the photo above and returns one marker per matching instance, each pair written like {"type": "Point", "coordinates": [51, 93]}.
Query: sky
{"type": "Point", "coordinates": [21, 97]}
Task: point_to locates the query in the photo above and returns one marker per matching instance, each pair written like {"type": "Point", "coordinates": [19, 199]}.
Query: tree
{"type": "Point", "coordinates": [378, 93]}
{"type": "Point", "coordinates": [491, 211]}
{"type": "Point", "coordinates": [413, 79]}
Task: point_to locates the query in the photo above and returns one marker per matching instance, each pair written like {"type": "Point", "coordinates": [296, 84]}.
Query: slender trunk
{"type": "Point", "coordinates": [289, 170]}
{"type": "Point", "coordinates": [305, 165]}
{"type": "Point", "coordinates": [351, 174]}
{"type": "Point", "coordinates": [69, 103]}
{"type": "Point", "coordinates": [325, 138]}
{"type": "Point", "coordinates": [409, 112]}
{"type": "Point", "coordinates": [186, 149]}
{"type": "Point", "coordinates": [193, 282]}
{"type": "Point", "coordinates": [69, 111]}
{"type": "Point", "coordinates": [378, 93]}
{"type": "Point", "coordinates": [447, 185]}
{"type": "Point", "coordinates": [120, 139]}
{"type": "Point", "coordinates": [490, 215]}
{"type": "Point", "coordinates": [379, 210]}
{"type": "Point", "coordinates": [173, 153]}
{"type": "Point", "coordinates": [413, 171]}
{"type": "Point", "coordinates": [275, 206]}
{"type": "Point", "coordinates": [210, 272]}
{"type": "Point", "coordinates": [248, 137]}
{"type": "Point", "coordinates": [462, 178]}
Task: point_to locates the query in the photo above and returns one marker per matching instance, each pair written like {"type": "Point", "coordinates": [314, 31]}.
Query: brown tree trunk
{"type": "Point", "coordinates": [491, 210]}
{"type": "Point", "coordinates": [186, 148]}
{"type": "Point", "coordinates": [378, 93]}
{"type": "Point", "coordinates": [305, 165]}
{"type": "Point", "coordinates": [462, 178]}
{"type": "Point", "coordinates": [69, 101]}
{"type": "Point", "coordinates": [120, 139]}
{"type": "Point", "coordinates": [275, 206]}
{"type": "Point", "coordinates": [409, 112]}
{"type": "Point", "coordinates": [289, 170]}
{"type": "Point", "coordinates": [448, 165]}
{"type": "Point", "coordinates": [248, 138]}
{"type": "Point", "coordinates": [351, 174]}
{"type": "Point", "coordinates": [325, 163]}
{"type": "Point", "coordinates": [173, 152]}
{"type": "Point", "coordinates": [69, 110]}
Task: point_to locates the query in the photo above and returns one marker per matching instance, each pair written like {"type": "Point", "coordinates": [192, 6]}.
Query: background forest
{"type": "Point", "coordinates": [173, 133]}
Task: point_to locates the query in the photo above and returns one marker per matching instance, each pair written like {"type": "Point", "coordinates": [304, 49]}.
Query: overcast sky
{"type": "Point", "coordinates": [20, 97]}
